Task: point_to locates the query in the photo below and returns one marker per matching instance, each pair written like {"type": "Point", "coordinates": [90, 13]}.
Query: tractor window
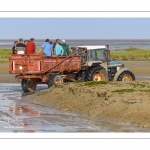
{"type": "Point", "coordinates": [92, 55]}
{"type": "Point", "coordinates": [97, 54]}
{"type": "Point", "coordinates": [100, 54]}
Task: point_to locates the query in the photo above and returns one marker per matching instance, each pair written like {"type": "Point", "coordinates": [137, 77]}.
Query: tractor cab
{"type": "Point", "coordinates": [100, 53]}
{"type": "Point", "coordinates": [95, 53]}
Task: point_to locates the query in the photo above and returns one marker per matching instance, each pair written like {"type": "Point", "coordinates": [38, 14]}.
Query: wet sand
{"type": "Point", "coordinates": [124, 103]}
{"type": "Point", "coordinates": [139, 68]}
{"type": "Point", "coordinates": [5, 77]}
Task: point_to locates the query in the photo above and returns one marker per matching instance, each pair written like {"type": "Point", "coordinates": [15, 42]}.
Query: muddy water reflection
{"type": "Point", "coordinates": [20, 115]}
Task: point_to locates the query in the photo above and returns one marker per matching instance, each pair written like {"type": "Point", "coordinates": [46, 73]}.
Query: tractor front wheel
{"type": "Point", "coordinates": [126, 76]}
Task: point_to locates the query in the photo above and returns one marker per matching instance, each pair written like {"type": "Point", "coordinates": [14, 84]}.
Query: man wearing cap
{"type": "Point", "coordinates": [20, 47]}
{"type": "Point", "coordinates": [65, 47]}
{"type": "Point", "coordinates": [30, 47]}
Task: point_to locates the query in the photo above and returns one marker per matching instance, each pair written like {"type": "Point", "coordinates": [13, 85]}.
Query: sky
{"type": "Point", "coordinates": [75, 28]}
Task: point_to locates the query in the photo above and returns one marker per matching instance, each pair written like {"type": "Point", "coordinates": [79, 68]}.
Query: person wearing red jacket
{"type": "Point", "coordinates": [30, 47]}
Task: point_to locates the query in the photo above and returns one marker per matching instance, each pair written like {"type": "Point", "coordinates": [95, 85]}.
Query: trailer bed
{"type": "Point", "coordinates": [40, 64]}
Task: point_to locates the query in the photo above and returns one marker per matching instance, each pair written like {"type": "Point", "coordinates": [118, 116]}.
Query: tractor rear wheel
{"type": "Point", "coordinates": [96, 74]}
{"type": "Point", "coordinates": [55, 79]}
{"type": "Point", "coordinates": [126, 76]}
{"type": "Point", "coordinates": [28, 86]}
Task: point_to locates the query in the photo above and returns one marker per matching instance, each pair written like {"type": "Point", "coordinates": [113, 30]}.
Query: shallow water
{"type": "Point", "coordinates": [17, 114]}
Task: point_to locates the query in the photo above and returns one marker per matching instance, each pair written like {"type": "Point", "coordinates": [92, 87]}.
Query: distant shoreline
{"type": "Point", "coordinates": [113, 43]}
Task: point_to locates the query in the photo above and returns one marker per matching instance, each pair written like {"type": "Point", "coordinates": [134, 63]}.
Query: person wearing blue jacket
{"type": "Point", "coordinates": [58, 50]}
{"type": "Point", "coordinates": [47, 48]}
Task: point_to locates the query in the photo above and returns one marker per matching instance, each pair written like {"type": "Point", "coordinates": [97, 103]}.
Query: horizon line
{"type": "Point", "coordinates": [84, 38]}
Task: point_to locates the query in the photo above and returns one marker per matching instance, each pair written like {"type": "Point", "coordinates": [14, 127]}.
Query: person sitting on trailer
{"type": "Point", "coordinates": [20, 47]}
{"type": "Point", "coordinates": [30, 47]}
{"type": "Point", "coordinates": [47, 48]}
{"type": "Point", "coordinates": [65, 47]}
{"type": "Point", "coordinates": [25, 42]}
{"type": "Point", "coordinates": [58, 50]}
{"type": "Point", "coordinates": [14, 48]}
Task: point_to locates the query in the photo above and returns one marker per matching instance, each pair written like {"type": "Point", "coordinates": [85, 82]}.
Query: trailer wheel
{"type": "Point", "coordinates": [28, 86]}
{"type": "Point", "coordinates": [126, 76]}
{"type": "Point", "coordinates": [96, 74]}
{"type": "Point", "coordinates": [57, 79]}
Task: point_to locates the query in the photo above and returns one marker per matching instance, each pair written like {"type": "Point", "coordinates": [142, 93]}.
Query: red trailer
{"type": "Point", "coordinates": [36, 69]}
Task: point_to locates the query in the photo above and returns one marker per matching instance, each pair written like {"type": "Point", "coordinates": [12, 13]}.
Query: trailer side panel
{"type": "Point", "coordinates": [39, 64]}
